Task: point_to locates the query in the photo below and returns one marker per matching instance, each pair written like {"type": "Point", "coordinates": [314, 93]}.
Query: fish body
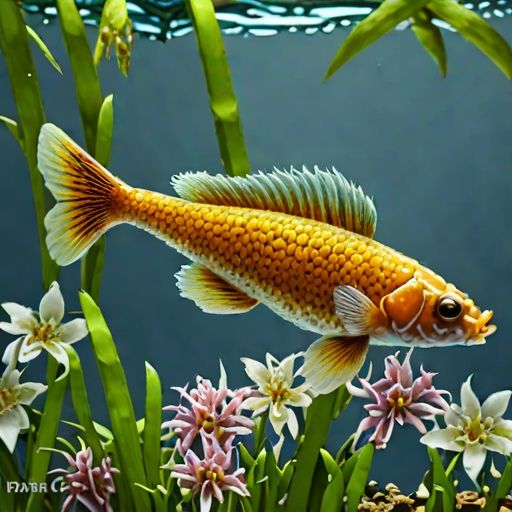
{"type": "Point", "coordinates": [300, 243]}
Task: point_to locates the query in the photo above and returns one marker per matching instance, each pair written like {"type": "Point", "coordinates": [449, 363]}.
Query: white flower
{"type": "Point", "coordinates": [275, 391]}
{"type": "Point", "coordinates": [474, 429]}
{"type": "Point", "coordinates": [13, 417]}
{"type": "Point", "coordinates": [43, 330]}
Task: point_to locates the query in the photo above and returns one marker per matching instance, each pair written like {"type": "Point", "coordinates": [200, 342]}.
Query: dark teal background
{"type": "Point", "coordinates": [434, 153]}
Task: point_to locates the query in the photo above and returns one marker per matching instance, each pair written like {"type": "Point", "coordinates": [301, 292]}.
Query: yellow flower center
{"type": "Point", "coordinates": [477, 431]}
{"type": "Point", "coordinates": [8, 399]}
{"type": "Point", "coordinates": [400, 402]}
{"type": "Point", "coordinates": [278, 391]}
{"type": "Point", "coordinates": [43, 333]}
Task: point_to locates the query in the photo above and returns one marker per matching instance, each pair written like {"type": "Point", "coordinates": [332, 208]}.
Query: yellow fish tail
{"type": "Point", "coordinates": [85, 191]}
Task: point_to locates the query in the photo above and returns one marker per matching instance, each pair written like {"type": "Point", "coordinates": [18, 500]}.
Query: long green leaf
{"type": "Point", "coordinates": [335, 489]}
{"type": "Point", "coordinates": [152, 426]}
{"type": "Point", "coordinates": [120, 408]}
{"type": "Point", "coordinates": [12, 126]}
{"type": "Point", "coordinates": [388, 15]}
{"type": "Point", "coordinates": [317, 426]}
{"type": "Point", "coordinates": [15, 46]}
{"type": "Point", "coordinates": [223, 102]}
{"type": "Point", "coordinates": [442, 496]}
{"type": "Point", "coordinates": [44, 49]}
{"type": "Point", "coordinates": [477, 31]}
{"type": "Point", "coordinates": [359, 476]}
{"type": "Point", "coordinates": [87, 84]}
{"type": "Point", "coordinates": [503, 488]}
{"type": "Point", "coordinates": [81, 403]}
{"type": "Point", "coordinates": [46, 433]}
{"type": "Point", "coordinates": [105, 130]}
{"type": "Point", "coordinates": [431, 39]}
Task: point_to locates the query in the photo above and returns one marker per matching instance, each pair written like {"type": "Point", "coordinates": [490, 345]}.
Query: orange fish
{"type": "Point", "coordinates": [300, 243]}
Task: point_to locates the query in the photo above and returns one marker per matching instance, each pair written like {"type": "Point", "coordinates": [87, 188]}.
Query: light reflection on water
{"type": "Point", "coordinates": [160, 19]}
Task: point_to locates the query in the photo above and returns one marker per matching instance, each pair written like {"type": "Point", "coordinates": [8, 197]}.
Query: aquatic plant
{"type": "Point", "coordinates": [212, 455]}
{"type": "Point", "coordinates": [398, 398]}
{"type": "Point", "coordinates": [88, 485]}
{"type": "Point", "coordinates": [43, 331]}
{"type": "Point", "coordinates": [474, 429]}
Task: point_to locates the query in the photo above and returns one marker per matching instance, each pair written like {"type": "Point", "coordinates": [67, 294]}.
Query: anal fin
{"type": "Point", "coordinates": [333, 360]}
{"type": "Point", "coordinates": [211, 293]}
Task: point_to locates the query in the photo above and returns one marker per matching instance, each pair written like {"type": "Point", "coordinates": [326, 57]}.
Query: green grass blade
{"type": "Point", "coordinates": [359, 476]}
{"type": "Point", "coordinates": [46, 433]}
{"type": "Point", "coordinates": [15, 46]}
{"type": "Point", "coordinates": [152, 426]}
{"type": "Point", "coordinates": [87, 84]}
{"type": "Point", "coordinates": [431, 39]}
{"type": "Point", "coordinates": [335, 489]}
{"type": "Point", "coordinates": [317, 426]}
{"type": "Point", "coordinates": [104, 132]}
{"type": "Point", "coordinates": [477, 31]}
{"type": "Point", "coordinates": [445, 499]}
{"type": "Point", "coordinates": [44, 49]}
{"type": "Point", "coordinates": [223, 101]}
{"type": "Point", "coordinates": [12, 126]}
{"type": "Point", "coordinates": [120, 407]}
{"type": "Point", "coordinates": [389, 14]}
{"type": "Point", "coordinates": [8, 467]}
{"type": "Point", "coordinates": [81, 403]}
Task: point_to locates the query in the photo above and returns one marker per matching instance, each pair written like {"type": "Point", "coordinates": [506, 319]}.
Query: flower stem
{"type": "Point", "coordinates": [318, 422]}
{"type": "Point", "coordinates": [259, 435]}
{"type": "Point", "coordinates": [46, 433]}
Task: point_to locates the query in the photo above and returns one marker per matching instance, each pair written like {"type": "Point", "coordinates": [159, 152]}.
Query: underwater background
{"type": "Point", "coordinates": [435, 154]}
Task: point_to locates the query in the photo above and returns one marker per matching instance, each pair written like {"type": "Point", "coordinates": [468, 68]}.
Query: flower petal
{"type": "Point", "coordinates": [206, 498]}
{"type": "Point", "coordinates": [499, 444]}
{"type": "Point", "coordinates": [496, 404]}
{"type": "Point", "coordinates": [278, 418]}
{"type": "Point", "coordinates": [444, 438]}
{"type": "Point", "coordinates": [473, 460]}
{"type": "Point", "coordinates": [73, 331]}
{"type": "Point", "coordinates": [293, 424]}
{"type": "Point", "coordinates": [256, 371]}
{"type": "Point", "coordinates": [469, 401]}
{"type": "Point", "coordinates": [51, 307]}
{"type": "Point", "coordinates": [9, 429]}
{"type": "Point", "coordinates": [14, 328]}
{"type": "Point", "coordinates": [28, 392]}
{"type": "Point", "coordinates": [60, 355]}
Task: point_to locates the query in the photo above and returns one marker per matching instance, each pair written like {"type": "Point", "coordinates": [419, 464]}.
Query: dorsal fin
{"type": "Point", "coordinates": [325, 196]}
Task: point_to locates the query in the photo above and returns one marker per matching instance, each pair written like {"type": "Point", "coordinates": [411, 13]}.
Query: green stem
{"type": "Point", "coordinates": [46, 433]}
{"type": "Point", "coordinates": [259, 434]}
{"type": "Point", "coordinates": [317, 426]}
{"type": "Point", "coordinates": [223, 102]}
{"type": "Point", "coordinates": [81, 403]}
{"type": "Point", "coordinates": [14, 44]}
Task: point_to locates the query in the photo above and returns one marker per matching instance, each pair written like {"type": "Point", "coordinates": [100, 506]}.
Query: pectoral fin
{"type": "Point", "coordinates": [210, 292]}
{"type": "Point", "coordinates": [357, 312]}
{"type": "Point", "coordinates": [332, 361]}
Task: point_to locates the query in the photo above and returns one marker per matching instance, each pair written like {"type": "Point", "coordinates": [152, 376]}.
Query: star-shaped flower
{"type": "Point", "coordinates": [43, 330]}
{"type": "Point", "coordinates": [398, 398]}
{"type": "Point", "coordinates": [13, 395]}
{"type": "Point", "coordinates": [474, 429]}
{"type": "Point", "coordinates": [275, 391]}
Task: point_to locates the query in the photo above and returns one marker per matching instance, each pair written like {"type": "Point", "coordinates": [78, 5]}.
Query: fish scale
{"type": "Point", "coordinates": [288, 263]}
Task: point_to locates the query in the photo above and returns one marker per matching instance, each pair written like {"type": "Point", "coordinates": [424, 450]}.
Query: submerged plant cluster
{"type": "Point", "coordinates": [217, 448]}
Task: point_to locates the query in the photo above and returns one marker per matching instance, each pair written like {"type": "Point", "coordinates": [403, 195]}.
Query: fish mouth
{"type": "Point", "coordinates": [481, 327]}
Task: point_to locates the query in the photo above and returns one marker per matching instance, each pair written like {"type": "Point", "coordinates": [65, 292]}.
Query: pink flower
{"type": "Point", "coordinates": [211, 476]}
{"type": "Point", "coordinates": [398, 397]}
{"type": "Point", "coordinates": [208, 412]}
{"type": "Point", "coordinates": [92, 487]}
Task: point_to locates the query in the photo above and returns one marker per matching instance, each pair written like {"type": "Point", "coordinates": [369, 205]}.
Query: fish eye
{"type": "Point", "coordinates": [449, 307]}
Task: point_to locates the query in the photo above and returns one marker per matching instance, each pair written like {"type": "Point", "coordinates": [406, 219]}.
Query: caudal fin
{"type": "Point", "coordinates": [85, 192]}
